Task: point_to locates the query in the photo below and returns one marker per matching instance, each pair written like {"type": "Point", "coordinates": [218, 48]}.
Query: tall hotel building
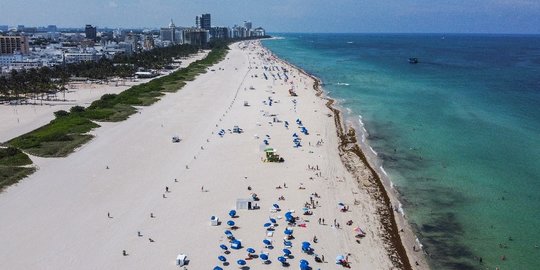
{"type": "Point", "coordinates": [12, 44]}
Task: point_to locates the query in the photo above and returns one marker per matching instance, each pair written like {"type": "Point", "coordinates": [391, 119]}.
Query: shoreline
{"type": "Point", "coordinates": [93, 203]}
{"type": "Point", "coordinates": [350, 149]}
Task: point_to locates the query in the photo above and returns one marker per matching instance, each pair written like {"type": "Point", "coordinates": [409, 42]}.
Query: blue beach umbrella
{"type": "Point", "coordinates": [263, 256]}
{"type": "Point", "coordinates": [241, 262]}
{"type": "Point", "coordinates": [224, 247]}
{"type": "Point", "coordinates": [288, 232]}
{"type": "Point", "coordinates": [250, 250]}
{"type": "Point", "coordinates": [230, 223]}
{"type": "Point", "coordinates": [267, 242]}
{"type": "Point", "coordinates": [273, 220]}
{"type": "Point", "coordinates": [306, 246]}
{"type": "Point", "coordinates": [276, 205]}
{"type": "Point", "coordinates": [286, 252]}
{"type": "Point", "coordinates": [236, 244]}
{"type": "Point", "coordinates": [266, 225]}
{"type": "Point", "coordinates": [232, 213]}
{"type": "Point", "coordinates": [304, 265]}
{"type": "Point", "coordinates": [222, 258]}
{"type": "Point", "coordinates": [282, 259]}
{"type": "Point", "coordinates": [217, 268]}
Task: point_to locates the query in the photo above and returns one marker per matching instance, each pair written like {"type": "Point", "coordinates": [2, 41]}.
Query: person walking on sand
{"type": "Point", "coordinates": [202, 188]}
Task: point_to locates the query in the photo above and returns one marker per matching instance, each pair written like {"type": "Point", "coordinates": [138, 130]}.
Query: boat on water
{"type": "Point", "coordinates": [413, 60]}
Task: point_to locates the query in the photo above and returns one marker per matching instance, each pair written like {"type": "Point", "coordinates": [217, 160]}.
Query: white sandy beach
{"type": "Point", "coordinates": [57, 217]}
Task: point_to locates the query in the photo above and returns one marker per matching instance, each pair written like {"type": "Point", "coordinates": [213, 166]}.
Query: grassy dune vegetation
{"type": "Point", "coordinates": [13, 164]}
{"type": "Point", "coordinates": [69, 130]}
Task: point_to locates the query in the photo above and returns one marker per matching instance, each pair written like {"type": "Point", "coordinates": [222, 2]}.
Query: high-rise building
{"type": "Point", "coordinates": [248, 25]}
{"type": "Point", "coordinates": [90, 31]}
{"type": "Point", "coordinates": [133, 39]}
{"type": "Point", "coordinates": [12, 44]}
{"type": "Point", "coordinates": [168, 33]}
{"type": "Point", "coordinates": [4, 28]}
{"type": "Point", "coordinates": [205, 21]}
{"type": "Point", "coordinates": [219, 32]}
{"type": "Point", "coordinates": [148, 42]}
{"type": "Point", "coordinates": [196, 36]}
{"type": "Point", "coordinates": [259, 32]}
{"type": "Point", "coordinates": [52, 28]}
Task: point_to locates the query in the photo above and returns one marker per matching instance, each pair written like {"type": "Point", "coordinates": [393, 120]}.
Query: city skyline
{"type": "Point", "coordinates": [393, 16]}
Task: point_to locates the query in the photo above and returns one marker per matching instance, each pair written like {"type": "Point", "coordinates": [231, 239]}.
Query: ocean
{"type": "Point", "coordinates": [458, 133]}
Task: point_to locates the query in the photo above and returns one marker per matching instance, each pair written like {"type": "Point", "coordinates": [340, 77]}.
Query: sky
{"type": "Point", "coordinates": [335, 16]}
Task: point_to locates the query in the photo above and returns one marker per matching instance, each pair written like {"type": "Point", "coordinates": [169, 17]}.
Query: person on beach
{"type": "Point", "coordinates": [152, 215]}
{"type": "Point", "coordinates": [124, 252]}
{"type": "Point", "coordinates": [166, 189]}
{"type": "Point", "coordinates": [202, 188]}
{"type": "Point", "coordinates": [108, 214]}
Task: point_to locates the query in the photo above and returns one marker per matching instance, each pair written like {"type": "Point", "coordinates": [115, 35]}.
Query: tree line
{"type": "Point", "coordinates": [39, 83]}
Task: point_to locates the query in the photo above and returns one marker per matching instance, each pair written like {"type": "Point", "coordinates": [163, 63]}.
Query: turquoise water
{"type": "Point", "coordinates": [458, 133]}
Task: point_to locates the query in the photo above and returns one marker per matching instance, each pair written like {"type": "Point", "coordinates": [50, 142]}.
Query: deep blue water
{"type": "Point", "coordinates": [458, 133]}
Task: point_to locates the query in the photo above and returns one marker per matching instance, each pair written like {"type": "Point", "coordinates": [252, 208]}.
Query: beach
{"type": "Point", "coordinates": [16, 120]}
{"type": "Point", "coordinates": [132, 189]}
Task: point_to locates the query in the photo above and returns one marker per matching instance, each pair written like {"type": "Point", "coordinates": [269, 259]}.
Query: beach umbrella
{"type": "Point", "coordinates": [267, 242]}
{"type": "Point", "coordinates": [222, 258]}
{"type": "Point", "coordinates": [306, 246]}
{"type": "Point", "coordinates": [230, 223]}
{"type": "Point", "coordinates": [266, 225]}
{"type": "Point", "coordinates": [341, 204]}
{"type": "Point", "coordinates": [241, 262]}
{"type": "Point", "coordinates": [224, 247]}
{"type": "Point", "coordinates": [273, 220]}
{"type": "Point", "coordinates": [250, 250]}
{"type": "Point", "coordinates": [287, 243]}
{"type": "Point", "coordinates": [282, 259]}
{"type": "Point", "coordinates": [228, 233]}
{"type": "Point", "coordinates": [304, 265]}
{"type": "Point", "coordinates": [263, 256]}
{"type": "Point", "coordinates": [357, 229]}
{"type": "Point", "coordinates": [232, 213]}
{"type": "Point", "coordinates": [286, 252]}
{"type": "Point", "coordinates": [236, 244]}
{"type": "Point", "coordinates": [288, 232]}
{"type": "Point", "coordinates": [276, 206]}
{"type": "Point", "coordinates": [217, 268]}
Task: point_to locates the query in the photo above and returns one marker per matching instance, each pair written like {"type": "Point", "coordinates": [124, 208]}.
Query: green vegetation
{"type": "Point", "coordinates": [12, 162]}
{"type": "Point", "coordinates": [69, 130]}
{"type": "Point", "coordinates": [10, 156]}
{"type": "Point", "coordinates": [58, 138]}
{"type": "Point", "coordinates": [44, 82]}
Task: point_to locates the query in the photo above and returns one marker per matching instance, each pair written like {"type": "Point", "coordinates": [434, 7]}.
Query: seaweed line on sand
{"type": "Point", "coordinates": [351, 155]}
